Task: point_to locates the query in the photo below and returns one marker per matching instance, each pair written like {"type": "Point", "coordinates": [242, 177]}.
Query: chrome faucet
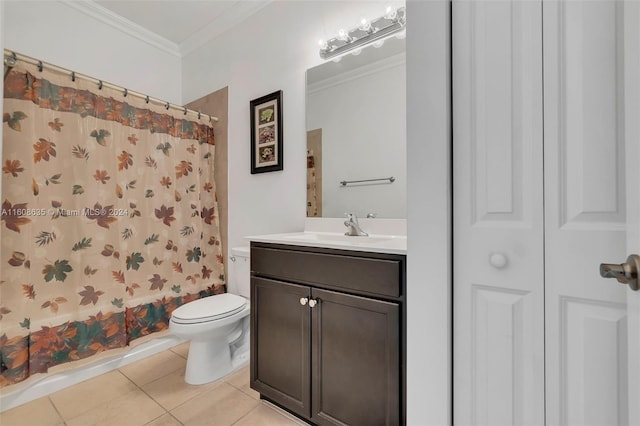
{"type": "Point", "coordinates": [353, 227]}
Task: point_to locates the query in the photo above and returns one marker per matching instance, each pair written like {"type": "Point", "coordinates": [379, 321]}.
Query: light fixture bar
{"type": "Point", "coordinates": [357, 37]}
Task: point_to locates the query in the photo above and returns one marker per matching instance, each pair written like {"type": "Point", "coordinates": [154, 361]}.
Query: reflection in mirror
{"type": "Point", "coordinates": [356, 131]}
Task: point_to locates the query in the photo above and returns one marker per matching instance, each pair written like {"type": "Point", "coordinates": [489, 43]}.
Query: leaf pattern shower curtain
{"type": "Point", "coordinates": [109, 220]}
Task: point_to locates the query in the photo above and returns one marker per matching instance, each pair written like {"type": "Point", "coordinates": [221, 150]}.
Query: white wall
{"type": "Point", "coordinates": [429, 279]}
{"type": "Point", "coordinates": [362, 115]}
{"type": "Point", "coordinates": [54, 32]}
{"type": "Point", "coordinates": [269, 51]}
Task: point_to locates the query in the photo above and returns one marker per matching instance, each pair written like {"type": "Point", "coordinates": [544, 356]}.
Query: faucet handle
{"type": "Point", "coordinates": [372, 215]}
{"type": "Point", "coordinates": [351, 217]}
{"type": "Point", "coordinates": [353, 226]}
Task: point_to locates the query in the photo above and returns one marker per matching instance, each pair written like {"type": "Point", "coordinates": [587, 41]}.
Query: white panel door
{"type": "Point", "coordinates": [539, 336]}
{"type": "Point", "coordinates": [632, 154]}
{"type": "Point", "coordinates": [586, 126]}
{"type": "Point", "coordinates": [498, 213]}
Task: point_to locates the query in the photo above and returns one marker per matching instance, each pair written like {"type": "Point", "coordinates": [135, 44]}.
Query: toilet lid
{"type": "Point", "coordinates": [209, 308]}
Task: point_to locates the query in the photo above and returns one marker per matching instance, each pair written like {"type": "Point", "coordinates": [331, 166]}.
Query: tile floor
{"type": "Point", "coordinates": [152, 392]}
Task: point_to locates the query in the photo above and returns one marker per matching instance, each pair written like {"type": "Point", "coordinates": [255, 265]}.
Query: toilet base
{"type": "Point", "coordinates": [215, 348]}
{"type": "Point", "coordinates": [224, 350]}
{"type": "Point", "coordinates": [208, 360]}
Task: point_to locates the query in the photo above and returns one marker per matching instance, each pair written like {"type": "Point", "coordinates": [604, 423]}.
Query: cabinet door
{"type": "Point", "coordinates": [355, 360]}
{"type": "Point", "coordinates": [280, 348]}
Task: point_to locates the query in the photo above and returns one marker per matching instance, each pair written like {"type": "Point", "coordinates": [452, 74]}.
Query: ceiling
{"type": "Point", "coordinates": [184, 24]}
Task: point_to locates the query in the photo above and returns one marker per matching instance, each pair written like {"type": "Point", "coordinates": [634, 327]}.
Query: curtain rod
{"type": "Point", "coordinates": [10, 59]}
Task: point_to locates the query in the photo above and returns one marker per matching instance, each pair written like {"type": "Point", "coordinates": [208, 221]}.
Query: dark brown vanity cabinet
{"type": "Point", "coordinates": [326, 333]}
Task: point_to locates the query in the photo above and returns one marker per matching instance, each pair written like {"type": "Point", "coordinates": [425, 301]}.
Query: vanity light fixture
{"type": "Point", "coordinates": [391, 13]}
{"type": "Point", "coordinates": [393, 21]}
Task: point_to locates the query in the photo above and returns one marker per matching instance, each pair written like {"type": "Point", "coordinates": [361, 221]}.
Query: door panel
{"type": "Point", "coordinates": [355, 360]}
{"type": "Point", "coordinates": [585, 89]}
{"type": "Point", "coordinates": [591, 337]}
{"type": "Point", "coordinates": [586, 318]}
{"type": "Point", "coordinates": [498, 214]}
{"type": "Point", "coordinates": [585, 67]}
{"type": "Point", "coordinates": [593, 362]}
{"type": "Point", "coordinates": [280, 343]}
{"type": "Point", "coordinates": [632, 154]}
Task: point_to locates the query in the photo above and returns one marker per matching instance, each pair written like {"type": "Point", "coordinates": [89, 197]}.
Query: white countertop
{"type": "Point", "coordinates": [377, 243]}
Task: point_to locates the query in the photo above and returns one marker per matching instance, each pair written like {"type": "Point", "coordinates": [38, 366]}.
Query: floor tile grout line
{"type": "Point", "coordinates": [57, 410]}
{"type": "Point", "coordinates": [180, 355]}
{"type": "Point", "coordinates": [65, 420]}
{"type": "Point", "coordinates": [241, 388]}
{"type": "Point", "coordinates": [162, 415]}
{"type": "Point", "coordinates": [157, 378]}
{"type": "Point", "coordinates": [112, 399]}
{"type": "Point", "coordinates": [175, 418]}
{"type": "Point", "coordinates": [248, 394]}
{"type": "Point", "coordinates": [246, 414]}
{"type": "Point", "coordinates": [166, 411]}
{"type": "Point", "coordinates": [199, 394]}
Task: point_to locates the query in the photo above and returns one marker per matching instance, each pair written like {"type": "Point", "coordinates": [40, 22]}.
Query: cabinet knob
{"type": "Point", "coordinates": [312, 303]}
{"type": "Point", "coordinates": [304, 300]}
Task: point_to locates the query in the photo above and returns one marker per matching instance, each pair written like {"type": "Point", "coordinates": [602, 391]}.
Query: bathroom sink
{"type": "Point", "coordinates": [375, 243]}
{"type": "Point", "coordinates": [337, 238]}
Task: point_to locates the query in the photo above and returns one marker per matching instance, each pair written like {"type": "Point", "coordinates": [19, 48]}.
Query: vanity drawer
{"type": "Point", "coordinates": [379, 275]}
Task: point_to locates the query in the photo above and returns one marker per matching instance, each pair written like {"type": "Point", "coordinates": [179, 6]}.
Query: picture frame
{"type": "Point", "coordinates": [266, 133]}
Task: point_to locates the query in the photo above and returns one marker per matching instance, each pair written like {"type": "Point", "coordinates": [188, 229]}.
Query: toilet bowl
{"type": "Point", "coordinates": [217, 327]}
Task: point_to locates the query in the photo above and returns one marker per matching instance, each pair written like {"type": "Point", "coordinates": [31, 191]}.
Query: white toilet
{"type": "Point", "coordinates": [217, 326]}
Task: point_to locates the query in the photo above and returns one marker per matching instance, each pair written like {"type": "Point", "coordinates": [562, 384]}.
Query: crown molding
{"type": "Point", "coordinates": [230, 18]}
{"type": "Point", "coordinates": [362, 71]}
{"type": "Point", "coordinates": [124, 25]}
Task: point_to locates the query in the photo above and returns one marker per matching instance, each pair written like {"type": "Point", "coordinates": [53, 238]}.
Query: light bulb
{"type": "Point", "coordinates": [401, 35]}
{"type": "Point", "coordinates": [337, 59]}
{"type": "Point", "coordinates": [365, 25]}
{"type": "Point", "coordinates": [378, 44]}
{"type": "Point", "coordinates": [342, 35]}
{"type": "Point", "coordinates": [323, 44]}
{"type": "Point", "coordinates": [356, 52]}
{"type": "Point", "coordinates": [391, 13]}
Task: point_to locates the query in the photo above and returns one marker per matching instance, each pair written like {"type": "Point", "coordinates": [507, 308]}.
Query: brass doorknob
{"type": "Point", "coordinates": [625, 273]}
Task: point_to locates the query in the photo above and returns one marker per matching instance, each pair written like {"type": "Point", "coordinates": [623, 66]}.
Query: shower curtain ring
{"type": "Point", "coordinates": [185, 110]}
{"type": "Point", "coordinates": [73, 76]}
{"type": "Point", "coordinates": [40, 66]}
{"type": "Point", "coordinates": [99, 84]}
{"type": "Point", "coordinates": [167, 106]}
{"type": "Point", "coordinates": [126, 92]}
{"type": "Point", "coordinates": [198, 115]}
{"type": "Point", "coordinates": [147, 99]}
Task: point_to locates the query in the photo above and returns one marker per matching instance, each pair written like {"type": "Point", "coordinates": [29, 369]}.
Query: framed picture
{"type": "Point", "coordinates": [266, 133]}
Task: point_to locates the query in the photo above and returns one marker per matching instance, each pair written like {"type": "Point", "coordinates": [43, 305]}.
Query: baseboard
{"type": "Point", "coordinates": [21, 394]}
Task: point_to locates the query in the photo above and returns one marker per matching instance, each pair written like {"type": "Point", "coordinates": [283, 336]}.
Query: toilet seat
{"type": "Point", "coordinates": [209, 309]}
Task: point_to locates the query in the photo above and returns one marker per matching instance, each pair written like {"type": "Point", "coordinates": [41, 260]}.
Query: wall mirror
{"type": "Point", "coordinates": [356, 131]}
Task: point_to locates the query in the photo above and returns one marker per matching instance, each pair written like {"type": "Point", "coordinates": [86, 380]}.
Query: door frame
{"type": "Point", "coordinates": [429, 302]}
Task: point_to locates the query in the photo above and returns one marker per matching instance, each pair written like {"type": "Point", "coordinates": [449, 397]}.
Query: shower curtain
{"type": "Point", "coordinates": [109, 219]}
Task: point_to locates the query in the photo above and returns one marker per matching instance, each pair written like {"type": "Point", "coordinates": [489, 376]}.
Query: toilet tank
{"type": "Point", "coordinates": [241, 272]}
